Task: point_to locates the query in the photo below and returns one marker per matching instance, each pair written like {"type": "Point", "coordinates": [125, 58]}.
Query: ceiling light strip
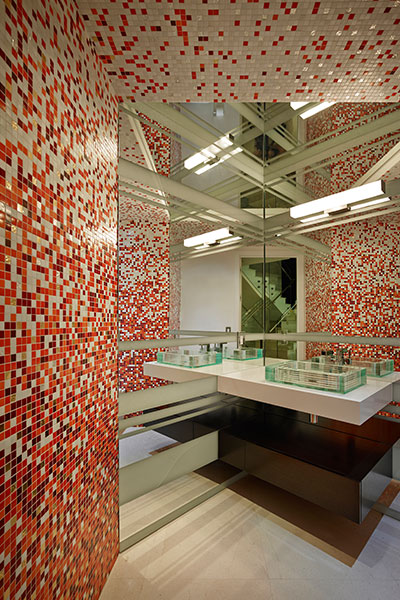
{"type": "Point", "coordinates": [343, 129]}
{"type": "Point", "coordinates": [210, 237]}
{"type": "Point", "coordinates": [339, 200]}
{"type": "Point", "coordinates": [370, 203]}
{"type": "Point", "coordinates": [352, 218]}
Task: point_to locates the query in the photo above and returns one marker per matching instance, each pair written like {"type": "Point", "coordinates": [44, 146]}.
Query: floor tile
{"type": "Point", "coordinates": [142, 511]}
{"type": "Point", "coordinates": [122, 589]}
{"type": "Point", "coordinates": [229, 549]}
{"type": "Point", "coordinates": [321, 589]}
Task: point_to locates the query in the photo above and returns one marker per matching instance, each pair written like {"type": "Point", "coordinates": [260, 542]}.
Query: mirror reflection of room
{"type": "Point", "coordinates": [271, 273]}
{"type": "Point", "coordinates": [258, 257]}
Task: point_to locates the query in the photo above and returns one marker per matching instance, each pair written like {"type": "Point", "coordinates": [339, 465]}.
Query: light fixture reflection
{"type": "Point", "coordinates": [337, 202]}
{"type": "Point", "coordinates": [209, 153]}
{"type": "Point", "coordinates": [222, 235]}
{"type": "Point", "coordinates": [311, 111]}
{"type": "Point", "coordinates": [370, 203]}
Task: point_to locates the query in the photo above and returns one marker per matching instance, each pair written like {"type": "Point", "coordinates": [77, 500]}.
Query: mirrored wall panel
{"type": "Point", "coordinates": [221, 228]}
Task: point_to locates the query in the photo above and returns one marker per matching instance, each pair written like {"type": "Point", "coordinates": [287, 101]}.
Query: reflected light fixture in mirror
{"type": "Point", "coordinates": [311, 111]}
{"type": "Point", "coordinates": [334, 203]}
{"type": "Point", "coordinates": [222, 235]}
{"type": "Point", "coordinates": [208, 156]}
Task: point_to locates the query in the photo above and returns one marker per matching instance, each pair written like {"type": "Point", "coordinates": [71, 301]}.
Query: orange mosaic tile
{"type": "Point", "coordinates": [58, 269]}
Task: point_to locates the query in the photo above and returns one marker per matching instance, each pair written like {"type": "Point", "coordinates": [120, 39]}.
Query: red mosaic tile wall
{"type": "Point", "coordinates": [346, 172]}
{"type": "Point", "coordinates": [59, 454]}
{"type": "Point", "coordinates": [318, 290]}
{"type": "Point", "coordinates": [144, 269]}
{"type": "Point", "coordinates": [143, 295]}
{"type": "Point", "coordinates": [365, 282]}
{"type": "Point", "coordinates": [128, 144]}
{"type": "Point", "coordinates": [362, 287]}
{"type": "Point", "coordinates": [159, 145]}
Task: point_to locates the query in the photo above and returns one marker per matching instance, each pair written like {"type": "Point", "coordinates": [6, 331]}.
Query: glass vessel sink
{"type": "Point", "coordinates": [315, 375]}
{"type": "Point", "coordinates": [242, 353]}
{"type": "Point", "coordinates": [376, 367]}
{"type": "Point", "coordinates": [187, 358]}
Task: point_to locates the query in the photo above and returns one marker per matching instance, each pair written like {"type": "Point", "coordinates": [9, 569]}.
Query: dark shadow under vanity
{"type": "Point", "coordinates": [341, 467]}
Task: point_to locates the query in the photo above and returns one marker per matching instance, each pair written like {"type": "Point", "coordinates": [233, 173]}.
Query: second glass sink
{"type": "Point", "coordinates": [376, 367]}
{"type": "Point", "coordinates": [242, 353]}
{"type": "Point", "coordinates": [186, 358]}
{"type": "Point", "coordinates": [315, 375]}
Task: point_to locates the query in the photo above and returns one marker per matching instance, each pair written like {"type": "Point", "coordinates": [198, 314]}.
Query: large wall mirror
{"type": "Point", "coordinates": [189, 172]}
{"type": "Point", "coordinates": [230, 219]}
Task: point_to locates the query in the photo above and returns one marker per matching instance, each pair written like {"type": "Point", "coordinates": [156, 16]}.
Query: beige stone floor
{"type": "Point", "coordinates": [229, 549]}
{"type": "Point", "coordinates": [143, 511]}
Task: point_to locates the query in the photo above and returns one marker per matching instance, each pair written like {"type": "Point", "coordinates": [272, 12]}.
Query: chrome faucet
{"type": "Point", "coordinates": [340, 356]}
{"type": "Point", "coordinates": [240, 339]}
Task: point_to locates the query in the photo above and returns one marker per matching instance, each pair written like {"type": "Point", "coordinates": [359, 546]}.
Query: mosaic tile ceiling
{"type": "Point", "coordinates": [248, 50]}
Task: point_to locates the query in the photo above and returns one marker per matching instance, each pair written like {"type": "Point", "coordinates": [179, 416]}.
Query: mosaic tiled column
{"type": "Point", "coordinates": [144, 263]}
{"type": "Point", "coordinates": [366, 284]}
{"type": "Point", "coordinates": [318, 293]}
{"type": "Point", "coordinates": [59, 454]}
{"type": "Point", "coordinates": [143, 291]}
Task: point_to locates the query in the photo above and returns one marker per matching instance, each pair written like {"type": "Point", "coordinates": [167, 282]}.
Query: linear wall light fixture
{"type": "Point", "coordinates": [198, 158]}
{"type": "Point", "coordinates": [323, 207]}
{"type": "Point", "coordinates": [370, 203]}
{"type": "Point", "coordinates": [209, 238]}
{"type": "Point", "coordinates": [311, 111]}
{"type": "Point", "coordinates": [216, 162]}
{"type": "Point", "coordinates": [210, 152]}
{"type": "Point", "coordinates": [231, 239]}
{"type": "Point", "coordinates": [205, 168]}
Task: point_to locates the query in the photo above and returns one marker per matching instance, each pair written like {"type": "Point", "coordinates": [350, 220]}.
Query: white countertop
{"type": "Point", "coordinates": [247, 380]}
{"type": "Point", "coordinates": [180, 374]}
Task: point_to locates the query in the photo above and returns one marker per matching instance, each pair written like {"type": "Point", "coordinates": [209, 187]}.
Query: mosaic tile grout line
{"type": "Point", "coordinates": [58, 204]}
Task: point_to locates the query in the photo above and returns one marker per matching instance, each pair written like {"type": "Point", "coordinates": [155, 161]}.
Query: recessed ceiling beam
{"type": "Point", "coordinates": [257, 121]}
{"type": "Point", "coordinates": [182, 125]}
{"type": "Point", "coordinates": [229, 188]}
{"type": "Point", "coordinates": [245, 165]}
{"type": "Point", "coordinates": [387, 162]}
{"type": "Point", "coordinates": [278, 115]}
{"type": "Point", "coordinates": [286, 189]}
{"type": "Point", "coordinates": [303, 240]}
{"type": "Point", "coordinates": [130, 171]}
{"type": "Point", "coordinates": [177, 209]}
{"type": "Point", "coordinates": [305, 156]}
{"type": "Point", "coordinates": [290, 191]}
{"type": "Point", "coordinates": [280, 140]}
{"type": "Point", "coordinates": [187, 212]}
{"type": "Point", "coordinates": [244, 138]}
{"type": "Point", "coordinates": [249, 114]}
